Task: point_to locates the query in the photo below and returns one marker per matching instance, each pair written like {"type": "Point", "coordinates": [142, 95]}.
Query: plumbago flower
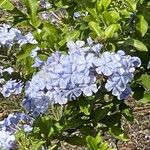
{"type": "Point", "coordinates": [11, 87]}
{"type": "Point", "coordinates": [10, 36]}
{"type": "Point", "coordinates": [62, 78]}
{"type": "Point", "coordinates": [7, 140]}
{"type": "Point", "coordinates": [119, 69]}
{"type": "Point", "coordinates": [10, 125]}
{"type": "Point", "coordinates": [66, 77]}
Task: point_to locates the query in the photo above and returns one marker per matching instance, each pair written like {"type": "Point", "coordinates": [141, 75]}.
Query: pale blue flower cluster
{"type": "Point", "coordinates": [10, 36]}
{"type": "Point", "coordinates": [28, 38]}
{"type": "Point", "coordinates": [17, 121]}
{"type": "Point", "coordinates": [10, 125]}
{"type": "Point", "coordinates": [7, 140]}
{"type": "Point", "coordinates": [66, 77]}
{"type": "Point", "coordinates": [11, 87]}
{"type": "Point", "coordinates": [63, 77]}
{"type": "Point", "coordinates": [119, 69]}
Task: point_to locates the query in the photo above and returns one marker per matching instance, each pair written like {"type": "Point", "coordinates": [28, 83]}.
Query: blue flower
{"type": "Point", "coordinates": [38, 62]}
{"type": "Point", "coordinates": [10, 125]}
{"type": "Point", "coordinates": [8, 35]}
{"type": "Point", "coordinates": [34, 52]}
{"type": "Point", "coordinates": [7, 140]}
{"type": "Point", "coordinates": [104, 64]}
{"type": "Point", "coordinates": [122, 74]}
{"type": "Point", "coordinates": [62, 78]}
{"type": "Point", "coordinates": [11, 87]}
{"type": "Point", "coordinates": [15, 122]}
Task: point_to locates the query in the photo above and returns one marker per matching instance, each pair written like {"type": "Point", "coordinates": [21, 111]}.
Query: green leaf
{"type": "Point", "coordinates": [73, 123]}
{"type": "Point", "coordinates": [97, 143]}
{"type": "Point", "coordinates": [75, 140]}
{"type": "Point", "coordinates": [142, 25]}
{"type": "Point", "coordinates": [25, 59]}
{"type": "Point", "coordinates": [45, 124]}
{"type": "Point", "coordinates": [51, 29]}
{"type": "Point", "coordinates": [131, 4]}
{"type": "Point", "coordinates": [92, 143]}
{"type": "Point", "coordinates": [70, 36]}
{"type": "Point", "coordinates": [110, 30]}
{"type": "Point", "coordinates": [137, 44]}
{"type": "Point", "coordinates": [94, 26]}
{"type": "Point", "coordinates": [108, 18]}
{"type": "Point", "coordinates": [146, 98]}
{"type": "Point", "coordinates": [85, 106]}
{"type": "Point", "coordinates": [37, 144]}
{"type": "Point", "coordinates": [111, 120]}
{"type": "Point", "coordinates": [6, 4]}
{"type": "Point", "coordinates": [145, 81]}
{"type": "Point", "coordinates": [118, 133]}
{"type": "Point", "coordinates": [25, 52]}
{"type": "Point", "coordinates": [127, 112]}
{"type": "Point", "coordinates": [93, 12]}
{"type": "Point", "coordinates": [101, 112]}
{"type": "Point", "coordinates": [111, 17]}
{"type": "Point", "coordinates": [105, 3]}
{"type": "Point", "coordinates": [32, 7]}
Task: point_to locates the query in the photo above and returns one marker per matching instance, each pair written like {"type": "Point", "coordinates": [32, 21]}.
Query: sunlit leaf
{"type": "Point", "coordinates": [6, 4]}
{"type": "Point", "coordinates": [118, 133]}
{"type": "Point", "coordinates": [137, 44]}
{"type": "Point", "coordinates": [142, 25]}
{"type": "Point", "coordinates": [94, 26]}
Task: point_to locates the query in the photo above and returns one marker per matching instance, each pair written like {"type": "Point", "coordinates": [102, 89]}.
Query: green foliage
{"type": "Point", "coordinates": [97, 143]}
{"type": "Point", "coordinates": [6, 4]}
{"type": "Point", "coordinates": [142, 25]}
{"type": "Point", "coordinates": [137, 44]}
{"type": "Point", "coordinates": [118, 133]}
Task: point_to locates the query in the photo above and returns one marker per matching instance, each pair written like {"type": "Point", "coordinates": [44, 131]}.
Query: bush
{"type": "Point", "coordinates": [73, 64]}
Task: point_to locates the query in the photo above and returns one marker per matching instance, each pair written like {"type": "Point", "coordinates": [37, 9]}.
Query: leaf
{"type": "Point", "coordinates": [73, 123]}
{"type": "Point", "coordinates": [45, 124]}
{"type": "Point", "coordinates": [70, 36]}
{"type": "Point", "coordinates": [127, 112]}
{"type": "Point", "coordinates": [111, 17]}
{"type": "Point", "coordinates": [37, 144]}
{"type": "Point", "coordinates": [97, 143]}
{"type": "Point", "coordinates": [112, 119]}
{"type": "Point", "coordinates": [137, 44]}
{"type": "Point", "coordinates": [25, 52]}
{"type": "Point", "coordinates": [50, 28]}
{"type": "Point", "coordinates": [108, 18]}
{"type": "Point", "coordinates": [75, 140]}
{"type": "Point", "coordinates": [118, 133]}
{"type": "Point", "coordinates": [146, 98]}
{"type": "Point", "coordinates": [145, 81]}
{"type": "Point", "coordinates": [32, 7]}
{"type": "Point", "coordinates": [101, 112]}
{"type": "Point", "coordinates": [25, 59]}
{"type": "Point", "coordinates": [6, 4]}
{"type": "Point", "coordinates": [93, 12]}
{"type": "Point", "coordinates": [85, 106]}
{"type": "Point", "coordinates": [131, 4]}
{"type": "Point", "coordinates": [94, 26]}
{"type": "Point", "coordinates": [105, 3]}
{"type": "Point", "coordinates": [92, 142]}
{"type": "Point", "coordinates": [142, 25]}
{"type": "Point", "coordinates": [110, 30]}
